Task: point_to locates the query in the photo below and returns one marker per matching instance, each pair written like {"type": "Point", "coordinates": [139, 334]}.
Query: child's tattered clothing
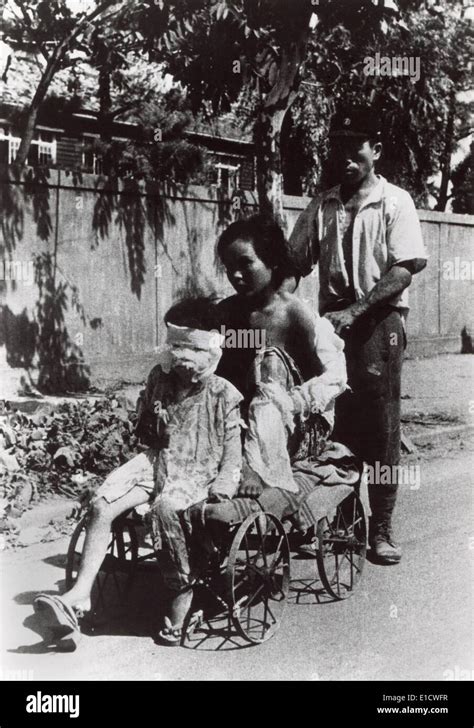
{"type": "Point", "coordinates": [137, 472]}
{"type": "Point", "coordinates": [200, 455]}
{"type": "Point", "coordinates": [195, 452]}
{"type": "Point", "coordinates": [195, 443]}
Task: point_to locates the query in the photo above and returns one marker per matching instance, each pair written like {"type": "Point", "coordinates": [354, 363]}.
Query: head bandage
{"type": "Point", "coordinates": [201, 350]}
{"type": "Point", "coordinates": [183, 335]}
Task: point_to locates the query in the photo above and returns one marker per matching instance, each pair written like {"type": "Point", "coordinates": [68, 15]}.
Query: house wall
{"type": "Point", "coordinates": [124, 255]}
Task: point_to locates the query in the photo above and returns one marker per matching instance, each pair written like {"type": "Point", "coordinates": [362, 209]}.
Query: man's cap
{"type": "Point", "coordinates": [359, 122]}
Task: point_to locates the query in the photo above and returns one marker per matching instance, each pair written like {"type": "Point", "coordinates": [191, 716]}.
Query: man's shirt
{"type": "Point", "coordinates": [385, 231]}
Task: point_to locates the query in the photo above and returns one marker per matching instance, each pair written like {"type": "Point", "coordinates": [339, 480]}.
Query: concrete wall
{"type": "Point", "coordinates": [124, 255]}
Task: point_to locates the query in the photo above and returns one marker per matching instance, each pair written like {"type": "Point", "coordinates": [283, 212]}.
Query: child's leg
{"type": "Point", "coordinates": [174, 556]}
{"type": "Point", "coordinates": [95, 546]}
{"type": "Point", "coordinates": [127, 487]}
{"type": "Point", "coordinates": [179, 607]}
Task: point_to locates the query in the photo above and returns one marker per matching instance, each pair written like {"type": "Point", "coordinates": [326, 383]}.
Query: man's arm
{"type": "Point", "coordinates": [301, 247]}
{"type": "Point", "coordinates": [406, 257]}
{"type": "Point", "coordinates": [390, 285]}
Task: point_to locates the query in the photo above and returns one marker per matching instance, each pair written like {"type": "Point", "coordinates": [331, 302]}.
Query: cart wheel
{"type": "Point", "coordinates": [110, 586]}
{"type": "Point", "coordinates": [258, 576]}
{"type": "Point", "coordinates": [342, 545]}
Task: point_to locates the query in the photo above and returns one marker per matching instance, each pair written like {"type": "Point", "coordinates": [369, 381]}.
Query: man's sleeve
{"type": "Point", "coordinates": [404, 239]}
{"type": "Point", "coordinates": [303, 241]}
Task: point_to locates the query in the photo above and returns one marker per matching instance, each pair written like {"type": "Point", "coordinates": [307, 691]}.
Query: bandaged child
{"type": "Point", "coordinates": [190, 420]}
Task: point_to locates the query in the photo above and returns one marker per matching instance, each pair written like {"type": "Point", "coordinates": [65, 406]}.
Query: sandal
{"type": "Point", "coordinates": [174, 635]}
{"type": "Point", "coordinates": [61, 619]}
{"type": "Point", "coordinates": [307, 550]}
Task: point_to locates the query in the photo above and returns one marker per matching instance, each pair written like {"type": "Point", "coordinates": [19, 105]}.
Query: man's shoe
{"type": "Point", "coordinates": [383, 549]}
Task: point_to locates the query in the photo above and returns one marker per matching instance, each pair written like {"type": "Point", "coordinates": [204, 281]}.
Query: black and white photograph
{"type": "Point", "coordinates": [236, 348]}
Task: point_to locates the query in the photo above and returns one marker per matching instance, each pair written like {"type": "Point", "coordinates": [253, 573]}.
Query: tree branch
{"type": "Point", "coordinates": [86, 19]}
{"type": "Point", "coordinates": [291, 59]}
{"type": "Point", "coordinates": [120, 110]}
{"type": "Point", "coordinates": [53, 64]}
{"type": "Point", "coordinates": [31, 30]}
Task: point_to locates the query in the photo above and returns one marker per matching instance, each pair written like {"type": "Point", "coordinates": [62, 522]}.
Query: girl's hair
{"type": "Point", "coordinates": [266, 237]}
{"type": "Point", "coordinates": [195, 313]}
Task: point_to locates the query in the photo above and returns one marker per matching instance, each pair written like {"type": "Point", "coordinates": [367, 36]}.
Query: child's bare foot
{"type": "Point", "coordinates": [251, 484]}
{"type": "Point", "coordinates": [79, 602]}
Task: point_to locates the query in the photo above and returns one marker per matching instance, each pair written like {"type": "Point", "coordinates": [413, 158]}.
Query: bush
{"type": "Point", "coordinates": [64, 451]}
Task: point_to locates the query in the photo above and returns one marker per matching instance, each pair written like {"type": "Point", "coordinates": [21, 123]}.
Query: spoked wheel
{"type": "Point", "coordinates": [116, 573]}
{"type": "Point", "coordinates": [258, 576]}
{"type": "Point", "coordinates": [342, 545]}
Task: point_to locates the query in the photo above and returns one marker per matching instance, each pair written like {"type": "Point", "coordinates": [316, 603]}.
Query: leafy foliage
{"type": "Point", "coordinates": [463, 185]}
{"type": "Point", "coordinates": [415, 115]}
{"type": "Point", "coordinates": [229, 51]}
{"type": "Point", "coordinates": [56, 33]}
{"type": "Point", "coordinates": [160, 152]}
{"type": "Point", "coordinates": [105, 67]}
{"type": "Point", "coordinates": [60, 451]}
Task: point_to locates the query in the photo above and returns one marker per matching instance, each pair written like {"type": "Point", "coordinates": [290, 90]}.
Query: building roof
{"type": "Point", "coordinates": [20, 72]}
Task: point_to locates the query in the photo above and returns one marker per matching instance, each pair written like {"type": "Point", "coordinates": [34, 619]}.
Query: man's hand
{"type": "Point", "coordinates": [343, 320]}
{"type": "Point", "coordinates": [385, 290]}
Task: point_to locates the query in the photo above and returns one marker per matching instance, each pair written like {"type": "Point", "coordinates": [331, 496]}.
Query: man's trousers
{"type": "Point", "coordinates": [368, 415]}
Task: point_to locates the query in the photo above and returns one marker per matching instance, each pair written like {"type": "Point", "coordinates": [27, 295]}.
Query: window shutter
{"type": "Point", "coordinates": [3, 151]}
{"type": "Point", "coordinates": [247, 174]}
{"type": "Point", "coordinates": [68, 153]}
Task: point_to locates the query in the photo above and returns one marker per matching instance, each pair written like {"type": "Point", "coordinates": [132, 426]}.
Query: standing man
{"type": "Point", "coordinates": [366, 237]}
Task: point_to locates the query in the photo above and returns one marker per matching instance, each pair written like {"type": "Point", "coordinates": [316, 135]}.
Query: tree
{"type": "Point", "coordinates": [421, 119]}
{"type": "Point", "coordinates": [161, 152]}
{"type": "Point", "coordinates": [224, 51]}
{"type": "Point", "coordinates": [56, 33]}
{"type": "Point", "coordinates": [127, 81]}
{"type": "Point", "coordinates": [124, 84]}
{"type": "Point", "coordinates": [462, 178]}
